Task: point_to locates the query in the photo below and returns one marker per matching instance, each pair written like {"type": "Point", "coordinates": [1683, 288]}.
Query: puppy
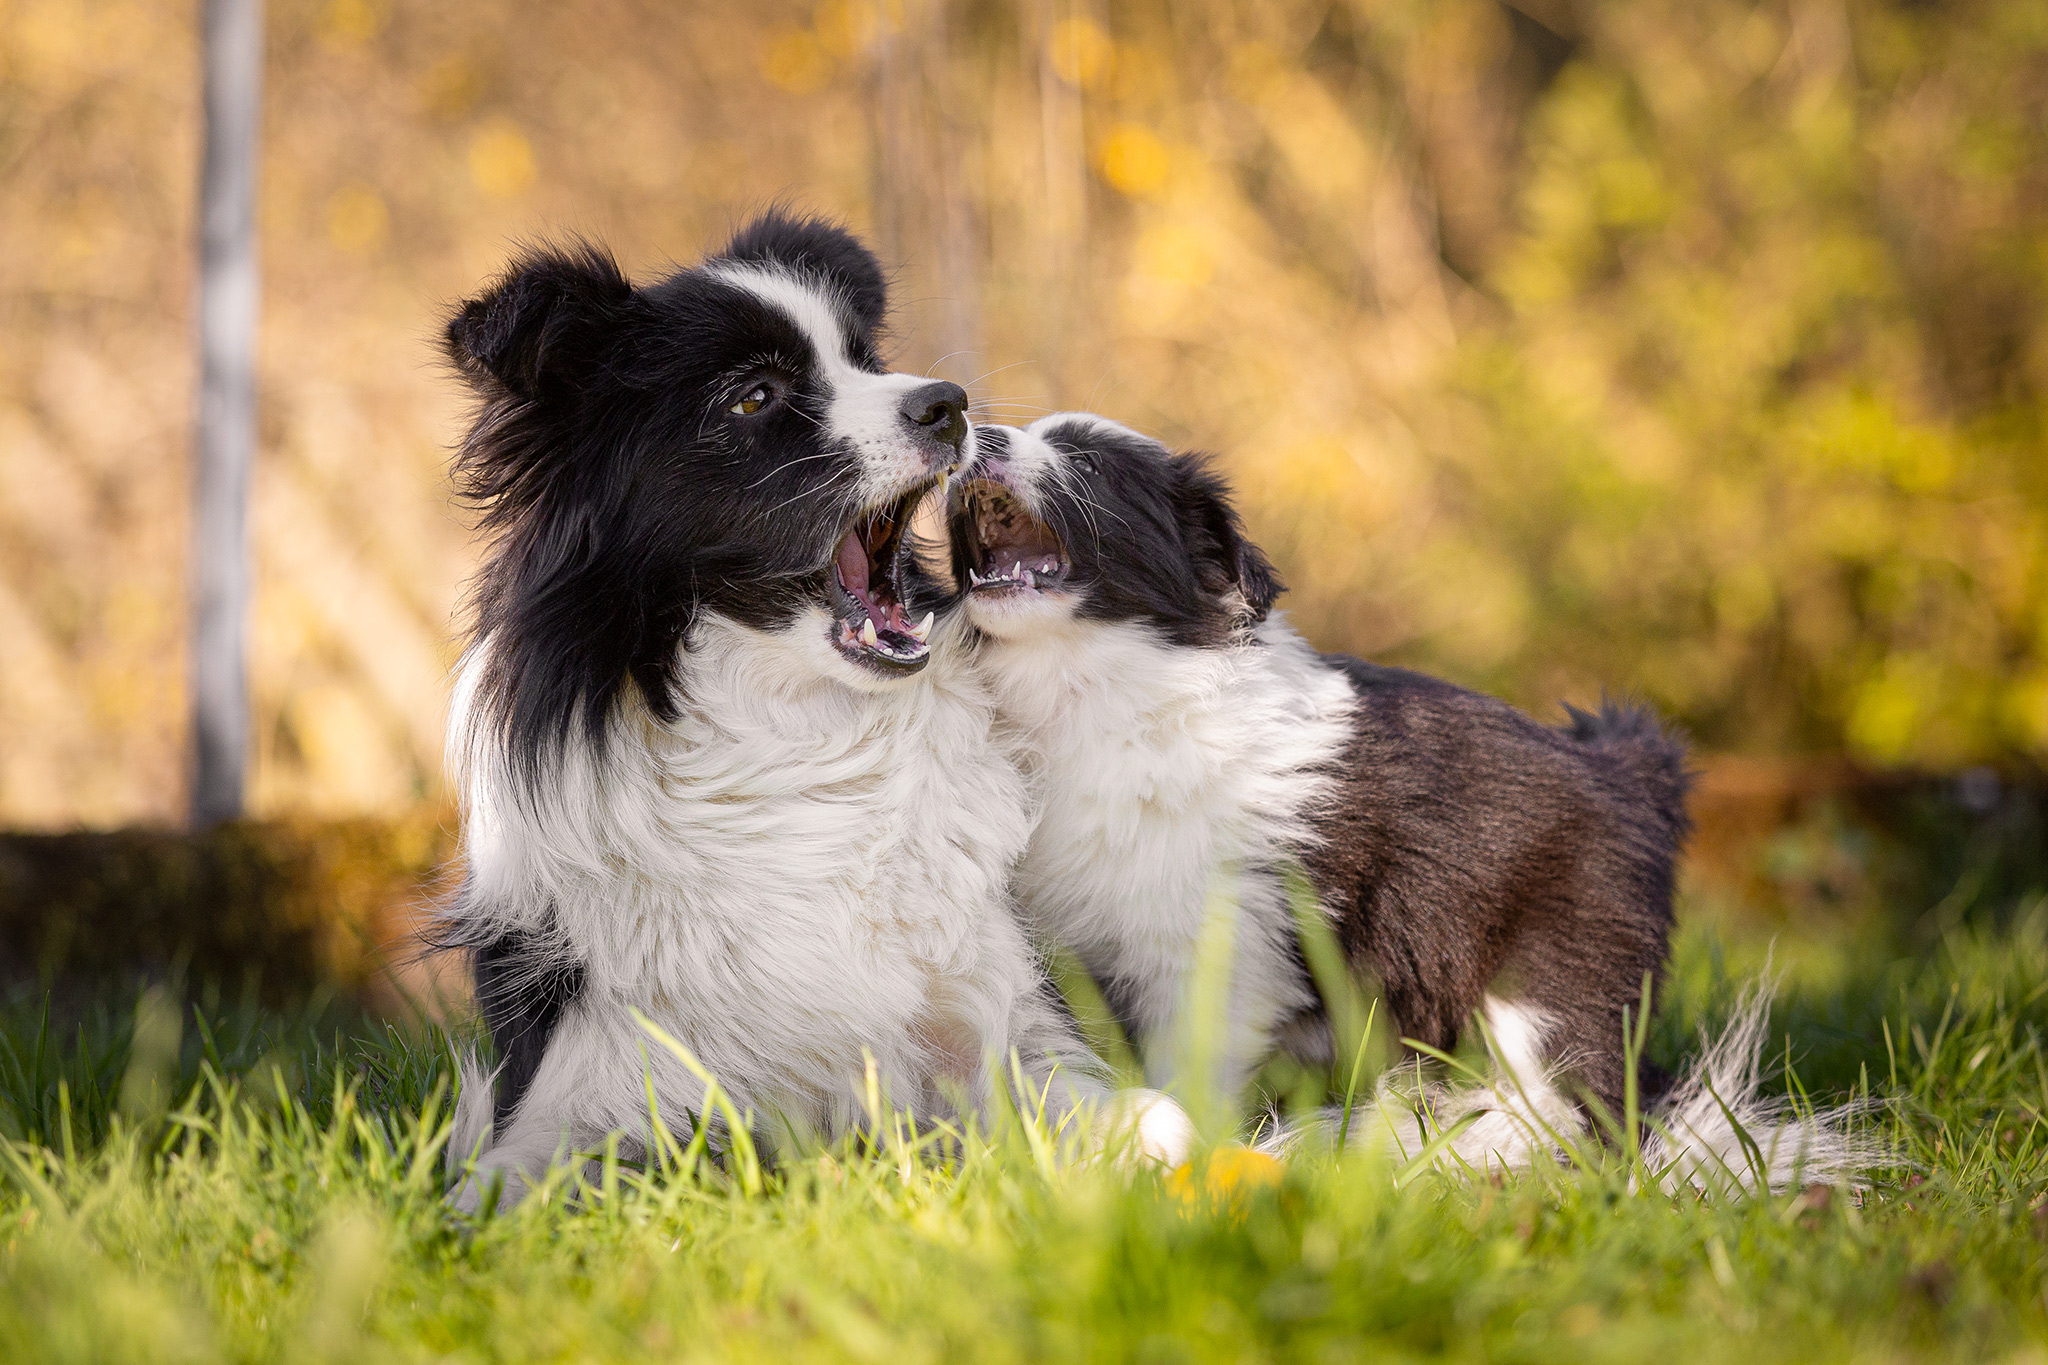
{"type": "Point", "coordinates": [1185, 740]}
{"type": "Point", "coordinates": [715, 765]}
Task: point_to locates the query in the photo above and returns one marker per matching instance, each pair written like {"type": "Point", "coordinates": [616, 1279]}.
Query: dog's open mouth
{"type": "Point", "coordinates": [870, 624]}
{"type": "Point", "coordinates": [1013, 552]}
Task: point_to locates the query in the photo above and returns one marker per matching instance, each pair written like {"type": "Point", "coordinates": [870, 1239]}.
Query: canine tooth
{"type": "Point", "coordinates": [867, 633]}
{"type": "Point", "coordinates": [923, 629]}
{"type": "Point", "coordinates": [1030, 579]}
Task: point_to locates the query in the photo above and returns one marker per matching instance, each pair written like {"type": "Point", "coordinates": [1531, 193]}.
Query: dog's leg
{"type": "Point", "coordinates": [580, 1088]}
{"type": "Point", "coordinates": [1061, 1070]}
{"type": "Point", "coordinates": [1583, 977]}
{"type": "Point", "coordinates": [524, 981]}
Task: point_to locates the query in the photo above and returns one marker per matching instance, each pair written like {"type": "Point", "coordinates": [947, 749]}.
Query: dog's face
{"type": "Point", "coordinates": [1076, 520]}
{"type": "Point", "coordinates": [725, 440]}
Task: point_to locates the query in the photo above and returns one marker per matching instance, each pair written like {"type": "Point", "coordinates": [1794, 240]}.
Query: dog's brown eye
{"type": "Point", "coordinates": [756, 399]}
{"type": "Point", "coordinates": [1084, 464]}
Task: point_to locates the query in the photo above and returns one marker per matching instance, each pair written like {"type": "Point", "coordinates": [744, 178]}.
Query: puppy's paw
{"type": "Point", "coordinates": [1145, 1126]}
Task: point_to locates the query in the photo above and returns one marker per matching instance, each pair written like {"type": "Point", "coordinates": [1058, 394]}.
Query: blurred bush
{"type": "Point", "coordinates": [1694, 349]}
{"type": "Point", "coordinates": [279, 909]}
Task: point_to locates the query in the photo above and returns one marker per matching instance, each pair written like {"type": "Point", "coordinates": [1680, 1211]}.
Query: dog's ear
{"type": "Point", "coordinates": [544, 321]}
{"type": "Point", "coordinates": [822, 250]}
{"type": "Point", "coordinates": [1229, 565]}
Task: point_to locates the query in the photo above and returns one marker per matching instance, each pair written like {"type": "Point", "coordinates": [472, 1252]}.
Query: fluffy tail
{"type": "Point", "coordinates": [1714, 1131]}
{"type": "Point", "coordinates": [1651, 753]}
{"type": "Point", "coordinates": [1718, 1132]}
{"type": "Point", "coordinates": [470, 1137]}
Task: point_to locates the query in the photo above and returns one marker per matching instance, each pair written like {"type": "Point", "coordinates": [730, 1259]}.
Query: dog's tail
{"type": "Point", "coordinates": [1718, 1132]}
{"type": "Point", "coordinates": [470, 1137]}
{"type": "Point", "coordinates": [1715, 1131]}
{"type": "Point", "coordinates": [1635, 737]}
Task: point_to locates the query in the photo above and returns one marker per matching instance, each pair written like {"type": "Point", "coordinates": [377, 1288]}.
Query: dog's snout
{"type": "Point", "coordinates": [938, 410]}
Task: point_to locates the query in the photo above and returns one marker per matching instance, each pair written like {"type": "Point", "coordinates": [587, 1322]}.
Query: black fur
{"type": "Point", "coordinates": [1472, 849]}
{"type": "Point", "coordinates": [523, 984]}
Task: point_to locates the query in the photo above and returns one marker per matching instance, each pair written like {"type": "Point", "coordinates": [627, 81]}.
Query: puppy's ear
{"type": "Point", "coordinates": [543, 323]}
{"type": "Point", "coordinates": [1230, 566]}
{"type": "Point", "coordinates": [819, 248]}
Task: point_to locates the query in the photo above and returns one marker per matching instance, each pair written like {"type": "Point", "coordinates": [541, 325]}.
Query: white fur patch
{"type": "Point", "coordinates": [1160, 767]}
{"type": "Point", "coordinates": [792, 879]}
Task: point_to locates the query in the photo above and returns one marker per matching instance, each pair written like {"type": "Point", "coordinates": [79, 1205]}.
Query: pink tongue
{"type": "Point", "coordinates": [853, 564]}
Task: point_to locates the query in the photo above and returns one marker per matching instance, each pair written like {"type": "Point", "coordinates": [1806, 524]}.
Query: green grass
{"type": "Point", "coordinates": [217, 1183]}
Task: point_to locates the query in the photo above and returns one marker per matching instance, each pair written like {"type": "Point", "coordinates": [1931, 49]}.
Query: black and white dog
{"type": "Point", "coordinates": [1181, 737]}
{"type": "Point", "coordinates": [715, 764]}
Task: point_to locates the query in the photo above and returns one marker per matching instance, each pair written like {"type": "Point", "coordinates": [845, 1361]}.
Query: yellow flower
{"type": "Point", "coordinates": [1229, 1176]}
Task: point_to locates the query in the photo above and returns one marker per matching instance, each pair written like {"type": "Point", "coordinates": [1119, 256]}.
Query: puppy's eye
{"type": "Point", "coordinates": [1084, 464]}
{"type": "Point", "coordinates": [756, 399]}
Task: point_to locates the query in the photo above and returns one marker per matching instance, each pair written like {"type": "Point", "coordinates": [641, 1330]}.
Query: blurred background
{"type": "Point", "coordinates": [1684, 348]}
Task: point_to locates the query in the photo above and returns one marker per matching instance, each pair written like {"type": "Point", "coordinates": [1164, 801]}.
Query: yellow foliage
{"type": "Point", "coordinates": [796, 61]}
{"type": "Point", "coordinates": [450, 87]}
{"type": "Point", "coordinates": [347, 23]}
{"type": "Point", "coordinates": [1135, 161]}
{"type": "Point", "coordinates": [1082, 52]}
{"type": "Point", "coordinates": [846, 27]}
{"type": "Point", "coordinates": [357, 219]}
{"type": "Point", "coordinates": [1683, 353]}
{"type": "Point", "coordinates": [501, 160]}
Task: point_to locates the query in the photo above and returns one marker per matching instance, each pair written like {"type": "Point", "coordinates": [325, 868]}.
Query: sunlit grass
{"type": "Point", "coordinates": [240, 1186]}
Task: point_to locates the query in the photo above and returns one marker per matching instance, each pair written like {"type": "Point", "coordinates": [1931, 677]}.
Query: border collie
{"type": "Point", "coordinates": [1185, 741]}
{"type": "Point", "coordinates": [715, 765]}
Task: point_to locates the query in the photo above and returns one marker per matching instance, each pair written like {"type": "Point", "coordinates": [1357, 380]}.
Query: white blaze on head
{"type": "Point", "coordinates": [1095, 422]}
{"type": "Point", "coordinates": [864, 409]}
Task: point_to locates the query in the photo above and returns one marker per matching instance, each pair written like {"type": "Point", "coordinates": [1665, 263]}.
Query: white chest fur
{"type": "Point", "coordinates": [1163, 773]}
{"type": "Point", "coordinates": [793, 877]}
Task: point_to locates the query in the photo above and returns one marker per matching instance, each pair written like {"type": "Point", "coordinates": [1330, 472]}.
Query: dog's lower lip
{"type": "Point", "coordinates": [1017, 552]}
{"type": "Point", "coordinates": [870, 623]}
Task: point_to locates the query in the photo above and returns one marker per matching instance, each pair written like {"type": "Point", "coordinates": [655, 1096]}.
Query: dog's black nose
{"type": "Point", "coordinates": [939, 410]}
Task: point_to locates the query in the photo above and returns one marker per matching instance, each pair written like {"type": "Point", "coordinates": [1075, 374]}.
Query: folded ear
{"type": "Point", "coordinates": [822, 250]}
{"type": "Point", "coordinates": [1230, 565]}
{"type": "Point", "coordinates": [544, 321]}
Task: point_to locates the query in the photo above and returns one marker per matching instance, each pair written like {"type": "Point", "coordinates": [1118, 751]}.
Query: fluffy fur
{"type": "Point", "coordinates": [713, 766]}
{"type": "Point", "coordinates": [1183, 739]}
{"type": "Point", "coordinates": [1714, 1132]}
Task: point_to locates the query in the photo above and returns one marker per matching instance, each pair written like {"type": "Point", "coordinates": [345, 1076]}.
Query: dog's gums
{"type": "Point", "coordinates": [1013, 551]}
{"type": "Point", "coordinates": [869, 622]}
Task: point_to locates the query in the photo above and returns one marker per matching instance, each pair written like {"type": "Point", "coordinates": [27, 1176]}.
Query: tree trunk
{"type": "Point", "coordinates": [226, 445]}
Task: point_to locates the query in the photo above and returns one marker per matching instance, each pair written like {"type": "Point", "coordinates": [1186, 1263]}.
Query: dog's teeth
{"type": "Point", "coordinates": [923, 629]}
{"type": "Point", "coordinates": [867, 634]}
{"type": "Point", "coordinates": [1030, 580]}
